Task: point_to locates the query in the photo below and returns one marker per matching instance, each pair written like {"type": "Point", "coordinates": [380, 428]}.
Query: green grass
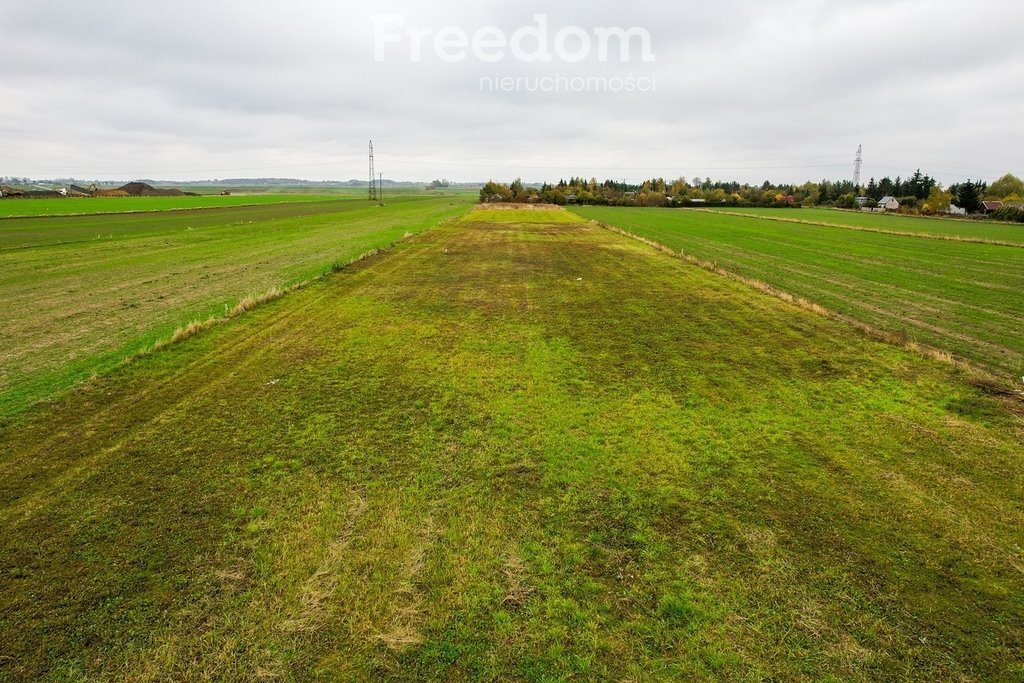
{"type": "Point", "coordinates": [80, 293]}
{"type": "Point", "coordinates": [962, 297]}
{"type": "Point", "coordinates": [517, 447]}
{"type": "Point", "coordinates": [937, 227]}
{"type": "Point", "coordinates": [74, 206]}
{"type": "Point", "coordinates": [94, 205]}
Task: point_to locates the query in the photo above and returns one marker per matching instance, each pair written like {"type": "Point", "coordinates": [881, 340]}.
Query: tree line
{"type": "Point", "coordinates": [919, 192]}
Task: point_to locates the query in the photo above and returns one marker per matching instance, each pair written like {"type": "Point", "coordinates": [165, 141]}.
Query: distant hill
{"type": "Point", "coordinates": [139, 189]}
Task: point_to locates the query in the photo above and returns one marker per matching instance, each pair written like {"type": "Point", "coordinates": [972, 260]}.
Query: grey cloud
{"type": "Point", "coordinates": [745, 89]}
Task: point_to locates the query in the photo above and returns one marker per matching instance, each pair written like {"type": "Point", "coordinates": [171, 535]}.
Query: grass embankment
{"type": "Point", "coordinates": [517, 446]}
{"type": "Point", "coordinates": [81, 293]}
{"type": "Point", "coordinates": [961, 297]}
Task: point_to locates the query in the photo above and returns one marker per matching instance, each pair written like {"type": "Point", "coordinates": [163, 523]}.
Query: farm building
{"type": "Point", "coordinates": [989, 207]}
{"type": "Point", "coordinates": [888, 204]}
{"type": "Point", "coordinates": [955, 210]}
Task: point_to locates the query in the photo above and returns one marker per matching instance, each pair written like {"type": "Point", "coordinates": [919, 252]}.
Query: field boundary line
{"type": "Point", "coordinates": [859, 228]}
{"type": "Point", "coordinates": [893, 338]}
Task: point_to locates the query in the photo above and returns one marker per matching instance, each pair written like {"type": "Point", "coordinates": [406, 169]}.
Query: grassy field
{"type": "Point", "coordinates": [936, 227]}
{"type": "Point", "coordinates": [91, 205]}
{"type": "Point", "coordinates": [517, 446]}
{"type": "Point", "coordinates": [75, 206]}
{"type": "Point", "coordinates": [80, 293]}
{"type": "Point", "coordinates": [962, 297]}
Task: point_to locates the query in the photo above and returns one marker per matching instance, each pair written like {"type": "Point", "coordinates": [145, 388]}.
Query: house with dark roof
{"type": "Point", "coordinates": [990, 206]}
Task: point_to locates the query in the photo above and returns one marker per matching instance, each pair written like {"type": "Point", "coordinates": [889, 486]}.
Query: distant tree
{"type": "Point", "coordinates": [1006, 186]}
{"type": "Point", "coordinates": [495, 192]}
{"type": "Point", "coordinates": [886, 188]}
{"type": "Point", "coordinates": [872, 190]}
{"type": "Point", "coordinates": [919, 185]}
{"type": "Point", "coordinates": [938, 201]}
{"type": "Point", "coordinates": [968, 196]}
{"type": "Point", "coordinates": [517, 189]}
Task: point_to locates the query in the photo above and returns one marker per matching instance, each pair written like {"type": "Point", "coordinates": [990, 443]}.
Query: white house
{"type": "Point", "coordinates": [888, 204]}
{"type": "Point", "coordinates": [955, 210]}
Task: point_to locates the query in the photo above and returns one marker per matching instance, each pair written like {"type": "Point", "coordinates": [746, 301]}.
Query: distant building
{"type": "Point", "coordinates": [889, 204]}
{"type": "Point", "coordinates": [571, 198]}
{"type": "Point", "coordinates": [861, 202]}
{"type": "Point", "coordinates": [989, 207]}
{"type": "Point", "coordinates": [955, 210]}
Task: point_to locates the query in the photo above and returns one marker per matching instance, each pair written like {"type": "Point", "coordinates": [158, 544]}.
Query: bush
{"type": "Point", "coordinates": [908, 203]}
{"type": "Point", "coordinates": [847, 201]}
{"type": "Point", "coordinates": [1008, 213]}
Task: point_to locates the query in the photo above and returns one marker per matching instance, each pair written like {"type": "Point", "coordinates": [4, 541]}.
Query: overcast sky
{"type": "Point", "coordinates": [738, 89]}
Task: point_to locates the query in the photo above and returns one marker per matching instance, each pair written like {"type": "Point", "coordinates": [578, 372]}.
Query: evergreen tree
{"type": "Point", "coordinates": [968, 196]}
